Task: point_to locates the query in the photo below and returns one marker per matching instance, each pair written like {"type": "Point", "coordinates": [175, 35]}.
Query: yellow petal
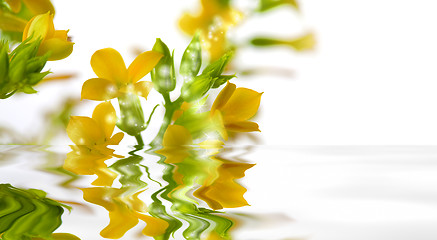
{"type": "Point", "coordinates": [154, 227]}
{"type": "Point", "coordinates": [39, 6]}
{"type": "Point", "coordinates": [100, 196]}
{"type": "Point", "coordinates": [242, 105]}
{"type": "Point", "coordinates": [121, 220]}
{"type": "Point", "coordinates": [105, 177]}
{"type": "Point", "coordinates": [176, 136]}
{"type": "Point", "coordinates": [104, 115]}
{"type": "Point", "coordinates": [107, 63]}
{"type": "Point", "coordinates": [223, 97]}
{"type": "Point", "coordinates": [84, 131]}
{"type": "Point", "coordinates": [245, 126]}
{"type": "Point", "coordinates": [115, 140]}
{"type": "Point", "coordinates": [142, 65]}
{"type": "Point", "coordinates": [143, 88]}
{"type": "Point", "coordinates": [58, 48]}
{"type": "Point", "coordinates": [40, 26]}
{"type": "Point", "coordinates": [15, 5]}
{"type": "Point", "coordinates": [61, 34]}
{"type": "Point", "coordinates": [99, 89]}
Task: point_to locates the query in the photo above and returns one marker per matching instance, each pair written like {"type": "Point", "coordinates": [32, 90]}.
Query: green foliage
{"type": "Point", "coordinates": [210, 78]}
{"type": "Point", "coordinates": [163, 75]}
{"type": "Point", "coordinates": [265, 5]}
{"type": "Point", "coordinates": [25, 214]}
{"type": "Point", "coordinates": [21, 69]}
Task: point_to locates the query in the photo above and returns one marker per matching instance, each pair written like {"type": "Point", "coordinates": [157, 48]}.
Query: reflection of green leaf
{"type": "Point", "coordinates": [27, 213]}
{"type": "Point", "coordinates": [265, 5]}
{"type": "Point", "coordinates": [305, 42]}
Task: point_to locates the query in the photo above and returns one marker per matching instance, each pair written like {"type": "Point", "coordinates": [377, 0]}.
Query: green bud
{"type": "Point", "coordinates": [36, 64]}
{"type": "Point", "coordinates": [222, 80]}
{"type": "Point", "coordinates": [131, 119]}
{"type": "Point", "coordinates": [4, 63]}
{"type": "Point", "coordinates": [192, 58]}
{"type": "Point", "coordinates": [163, 75]}
{"type": "Point", "coordinates": [216, 68]}
{"type": "Point", "coordinates": [195, 89]}
{"type": "Point", "coordinates": [28, 89]}
{"type": "Point", "coordinates": [34, 78]}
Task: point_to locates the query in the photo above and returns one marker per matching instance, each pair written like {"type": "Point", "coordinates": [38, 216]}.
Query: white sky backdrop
{"type": "Point", "coordinates": [370, 80]}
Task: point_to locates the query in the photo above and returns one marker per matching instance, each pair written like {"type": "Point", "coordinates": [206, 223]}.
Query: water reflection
{"type": "Point", "coordinates": [193, 183]}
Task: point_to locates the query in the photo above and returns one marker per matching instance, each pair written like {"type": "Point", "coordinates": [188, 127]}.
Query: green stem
{"type": "Point", "coordinates": [170, 108]}
{"type": "Point", "coordinates": [139, 139]}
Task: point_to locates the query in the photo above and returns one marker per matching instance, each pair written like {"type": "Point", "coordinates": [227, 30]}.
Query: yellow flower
{"type": "Point", "coordinates": [235, 106]}
{"type": "Point", "coordinates": [113, 77]}
{"type": "Point", "coordinates": [95, 133]}
{"type": "Point", "coordinates": [214, 20]}
{"type": "Point", "coordinates": [53, 41]}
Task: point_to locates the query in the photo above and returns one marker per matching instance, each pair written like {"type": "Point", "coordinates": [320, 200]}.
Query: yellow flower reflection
{"type": "Point", "coordinates": [95, 133]}
{"type": "Point", "coordinates": [53, 41]}
{"type": "Point", "coordinates": [125, 210]}
{"type": "Point", "coordinates": [235, 106]}
{"type": "Point", "coordinates": [216, 176]}
{"type": "Point", "coordinates": [113, 77]}
{"type": "Point", "coordinates": [214, 20]}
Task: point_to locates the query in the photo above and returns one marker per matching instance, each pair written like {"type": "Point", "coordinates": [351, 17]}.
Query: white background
{"type": "Point", "coordinates": [370, 80]}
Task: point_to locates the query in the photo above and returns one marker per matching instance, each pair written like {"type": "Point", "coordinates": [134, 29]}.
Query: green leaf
{"type": "Point", "coordinates": [265, 5]}
{"type": "Point", "coordinates": [192, 58]}
{"type": "Point", "coordinates": [163, 75]}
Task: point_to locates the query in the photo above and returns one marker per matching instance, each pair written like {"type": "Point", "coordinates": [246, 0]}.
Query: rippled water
{"type": "Point", "coordinates": [200, 193]}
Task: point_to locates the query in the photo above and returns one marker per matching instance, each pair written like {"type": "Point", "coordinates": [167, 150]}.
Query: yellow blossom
{"type": "Point", "coordinates": [53, 41]}
{"type": "Point", "coordinates": [95, 133]}
{"type": "Point", "coordinates": [214, 20]}
{"type": "Point", "coordinates": [235, 106]}
{"type": "Point", "coordinates": [113, 77]}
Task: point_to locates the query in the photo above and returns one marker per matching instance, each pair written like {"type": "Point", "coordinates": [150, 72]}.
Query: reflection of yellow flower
{"type": "Point", "coordinates": [214, 20]}
{"type": "Point", "coordinates": [54, 41]}
{"type": "Point", "coordinates": [124, 212]}
{"type": "Point", "coordinates": [236, 106]}
{"type": "Point", "coordinates": [113, 77]}
{"type": "Point", "coordinates": [95, 132]}
{"type": "Point", "coordinates": [222, 191]}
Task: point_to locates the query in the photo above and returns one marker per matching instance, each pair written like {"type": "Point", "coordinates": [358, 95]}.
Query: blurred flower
{"type": "Point", "coordinates": [235, 106]}
{"type": "Point", "coordinates": [113, 77]}
{"type": "Point", "coordinates": [53, 41]}
{"type": "Point", "coordinates": [35, 6]}
{"type": "Point", "coordinates": [95, 133]}
{"type": "Point", "coordinates": [214, 20]}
